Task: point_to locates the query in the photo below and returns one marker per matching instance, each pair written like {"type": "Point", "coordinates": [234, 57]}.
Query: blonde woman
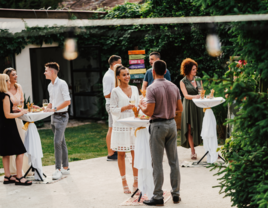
{"type": "Point", "coordinates": [122, 140]}
{"type": "Point", "coordinates": [10, 141]}
{"type": "Point", "coordinates": [16, 96]}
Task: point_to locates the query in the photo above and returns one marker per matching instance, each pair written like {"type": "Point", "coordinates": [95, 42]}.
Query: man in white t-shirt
{"type": "Point", "coordinates": [108, 85]}
{"type": "Point", "coordinates": [59, 100]}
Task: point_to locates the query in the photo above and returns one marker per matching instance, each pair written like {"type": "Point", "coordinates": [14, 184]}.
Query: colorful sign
{"type": "Point", "coordinates": [140, 61]}
{"type": "Point", "coordinates": [137, 71]}
{"type": "Point", "coordinates": [137, 66]}
{"type": "Point", "coordinates": [134, 57]}
{"type": "Point", "coordinates": [136, 52]}
{"type": "Point", "coordinates": [136, 76]}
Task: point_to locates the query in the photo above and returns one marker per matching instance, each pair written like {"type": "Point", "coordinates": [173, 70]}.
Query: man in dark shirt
{"type": "Point", "coordinates": [148, 78]}
{"type": "Point", "coordinates": [163, 99]}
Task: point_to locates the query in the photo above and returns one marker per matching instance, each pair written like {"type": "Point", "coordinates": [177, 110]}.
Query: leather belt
{"type": "Point", "coordinates": [160, 120]}
{"type": "Point", "coordinates": [63, 114]}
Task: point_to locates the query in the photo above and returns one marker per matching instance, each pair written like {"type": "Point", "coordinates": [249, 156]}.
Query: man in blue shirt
{"type": "Point", "coordinates": [148, 79]}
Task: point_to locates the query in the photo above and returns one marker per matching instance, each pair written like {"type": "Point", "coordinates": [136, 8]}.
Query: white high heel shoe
{"type": "Point", "coordinates": [126, 189]}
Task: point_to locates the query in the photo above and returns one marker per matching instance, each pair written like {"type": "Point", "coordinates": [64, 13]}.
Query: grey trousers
{"type": "Point", "coordinates": [164, 135]}
{"type": "Point", "coordinates": [58, 124]}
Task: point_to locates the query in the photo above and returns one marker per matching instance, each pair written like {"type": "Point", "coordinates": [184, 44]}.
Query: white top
{"type": "Point", "coordinates": [108, 83]}
{"type": "Point", "coordinates": [122, 135]}
{"type": "Point", "coordinates": [58, 93]}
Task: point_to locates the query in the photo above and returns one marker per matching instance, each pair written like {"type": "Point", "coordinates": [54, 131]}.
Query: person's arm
{"type": "Point", "coordinates": [144, 85]}
{"type": "Point", "coordinates": [22, 96]}
{"type": "Point", "coordinates": [179, 104]}
{"type": "Point", "coordinates": [185, 93]}
{"type": "Point", "coordinates": [145, 81]}
{"type": "Point", "coordinates": [6, 108]}
{"type": "Point", "coordinates": [167, 75]}
{"type": "Point", "coordinates": [148, 107]}
{"type": "Point", "coordinates": [106, 82]}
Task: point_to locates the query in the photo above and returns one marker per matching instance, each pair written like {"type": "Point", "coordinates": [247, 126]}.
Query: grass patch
{"type": "Point", "coordinates": [83, 142]}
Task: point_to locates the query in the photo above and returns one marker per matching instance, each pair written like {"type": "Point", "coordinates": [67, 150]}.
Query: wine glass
{"type": "Point", "coordinates": [20, 105]}
{"type": "Point", "coordinates": [45, 103]}
{"type": "Point", "coordinates": [200, 88]}
{"type": "Point", "coordinates": [132, 101]}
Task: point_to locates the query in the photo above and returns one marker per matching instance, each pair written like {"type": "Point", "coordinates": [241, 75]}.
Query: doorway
{"type": "Point", "coordinates": [82, 75]}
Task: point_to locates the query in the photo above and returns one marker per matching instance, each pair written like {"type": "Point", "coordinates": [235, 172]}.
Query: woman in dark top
{"type": "Point", "coordinates": [10, 141]}
{"type": "Point", "coordinates": [192, 116]}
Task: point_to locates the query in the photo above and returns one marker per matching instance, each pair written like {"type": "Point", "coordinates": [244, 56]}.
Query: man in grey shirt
{"type": "Point", "coordinates": [163, 100]}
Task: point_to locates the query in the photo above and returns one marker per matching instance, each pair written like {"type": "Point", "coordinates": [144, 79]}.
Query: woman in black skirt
{"type": "Point", "coordinates": [10, 141]}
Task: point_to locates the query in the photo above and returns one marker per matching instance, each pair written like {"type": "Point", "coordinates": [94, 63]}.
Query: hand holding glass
{"type": "Point", "coordinates": [45, 103]}
{"type": "Point", "coordinates": [20, 105]}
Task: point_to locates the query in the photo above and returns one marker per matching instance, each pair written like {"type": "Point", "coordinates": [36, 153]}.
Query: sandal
{"type": "Point", "coordinates": [126, 189]}
{"type": "Point", "coordinates": [135, 188]}
{"type": "Point", "coordinates": [194, 156]}
{"type": "Point", "coordinates": [9, 180]}
{"type": "Point", "coordinates": [22, 184]}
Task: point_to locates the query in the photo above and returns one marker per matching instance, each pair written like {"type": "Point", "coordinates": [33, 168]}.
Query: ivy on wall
{"type": "Point", "coordinates": [175, 42]}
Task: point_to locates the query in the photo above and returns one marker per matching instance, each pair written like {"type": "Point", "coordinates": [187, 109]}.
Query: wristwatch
{"type": "Point", "coordinates": [55, 109]}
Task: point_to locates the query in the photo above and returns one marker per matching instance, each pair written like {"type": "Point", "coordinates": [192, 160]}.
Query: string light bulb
{"type": "Point", "coordinates": [213, 44]}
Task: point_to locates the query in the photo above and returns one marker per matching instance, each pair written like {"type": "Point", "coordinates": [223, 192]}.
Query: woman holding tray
{"type": "Point", "coordinates": [16, 97]}
{"type": "Point", "coordinates": [10, 141]}
{"type": "Point", "coordinates": [123, 98]}
{"type": "Point", "coordinates": [192, 116]}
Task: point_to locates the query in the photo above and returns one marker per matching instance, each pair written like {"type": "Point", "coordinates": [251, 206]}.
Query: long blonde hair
{"type": "Point", "coordinates": [8, 71]}
{"type": "Point", "coordinates": [117, 70]}
{"type": "Point", "coordinates": [3, 82]}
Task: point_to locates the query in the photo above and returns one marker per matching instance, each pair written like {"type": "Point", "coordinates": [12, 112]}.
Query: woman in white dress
{"type": "Point", "coordinates": [123, 139]}
{"type": "Point", "coordinates": [16, 96]}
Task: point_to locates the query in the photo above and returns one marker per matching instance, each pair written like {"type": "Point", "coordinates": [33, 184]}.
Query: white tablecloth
{"type": "Point", "coordinates": [209, 128]}
{"type": "Point", "coordinates": [142, 160]}
{"type": "Point", "coordinates": [32, 141]}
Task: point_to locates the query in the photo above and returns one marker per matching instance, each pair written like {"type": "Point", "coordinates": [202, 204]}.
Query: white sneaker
{"type": "Point", "coordinates": [57, 175]}
{"type": "Point", "coordinates": [65, 172]}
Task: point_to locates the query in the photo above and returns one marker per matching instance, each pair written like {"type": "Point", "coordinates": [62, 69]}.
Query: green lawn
{"type": "Point", "coordinates": [83, 142]}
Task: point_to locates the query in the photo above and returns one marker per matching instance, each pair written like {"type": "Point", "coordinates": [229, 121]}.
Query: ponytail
{"type": "Point", "coordinates": [117, 70]}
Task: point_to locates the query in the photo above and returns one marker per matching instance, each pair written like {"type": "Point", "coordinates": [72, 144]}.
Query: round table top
{"type": "Point", "coordinates": [208, 103]}
{"type": "Point", "coordinates": [134, 122]}
{"type": "Point", "coordinates": [31, 117]}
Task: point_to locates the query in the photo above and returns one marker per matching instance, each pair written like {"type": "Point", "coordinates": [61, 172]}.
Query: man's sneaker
{"type": "Point", "coordinates": [65, 172]}
{"type": "Point", "coordinates": [112, 157]}
{"type": "Point", "coordinates": [57, 175]}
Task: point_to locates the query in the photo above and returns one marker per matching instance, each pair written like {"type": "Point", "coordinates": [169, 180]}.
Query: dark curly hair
{"type": "Point", "coordinates": [187, 65]}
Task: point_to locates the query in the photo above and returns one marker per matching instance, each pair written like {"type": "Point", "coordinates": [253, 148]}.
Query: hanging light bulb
{"type": "Point", "coordinates": [70, 47]}
{"type": "Point", "coordinates": [213, 44]}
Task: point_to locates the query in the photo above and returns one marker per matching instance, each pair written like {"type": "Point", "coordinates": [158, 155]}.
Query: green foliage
{"type": "Point", "coordinates": [175, 42]}
{"type": "Point", "coordinates": [245, 178]}
{"type": "Point", "coordinates": [29, 4]}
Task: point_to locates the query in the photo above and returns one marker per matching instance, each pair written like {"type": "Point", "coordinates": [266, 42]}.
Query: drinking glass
{"type": "Point", "coordinates": [200, 88]}
{"type": "Point", "coordinates": [20, 105]}
{"type": "Point", "coordinates": [132, 101]}
{"type": "Point", "coordinates": [45, 103]}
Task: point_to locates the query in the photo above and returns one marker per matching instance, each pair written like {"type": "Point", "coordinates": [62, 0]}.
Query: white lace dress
{"type": "Point", "coordinates": [123, 138]}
